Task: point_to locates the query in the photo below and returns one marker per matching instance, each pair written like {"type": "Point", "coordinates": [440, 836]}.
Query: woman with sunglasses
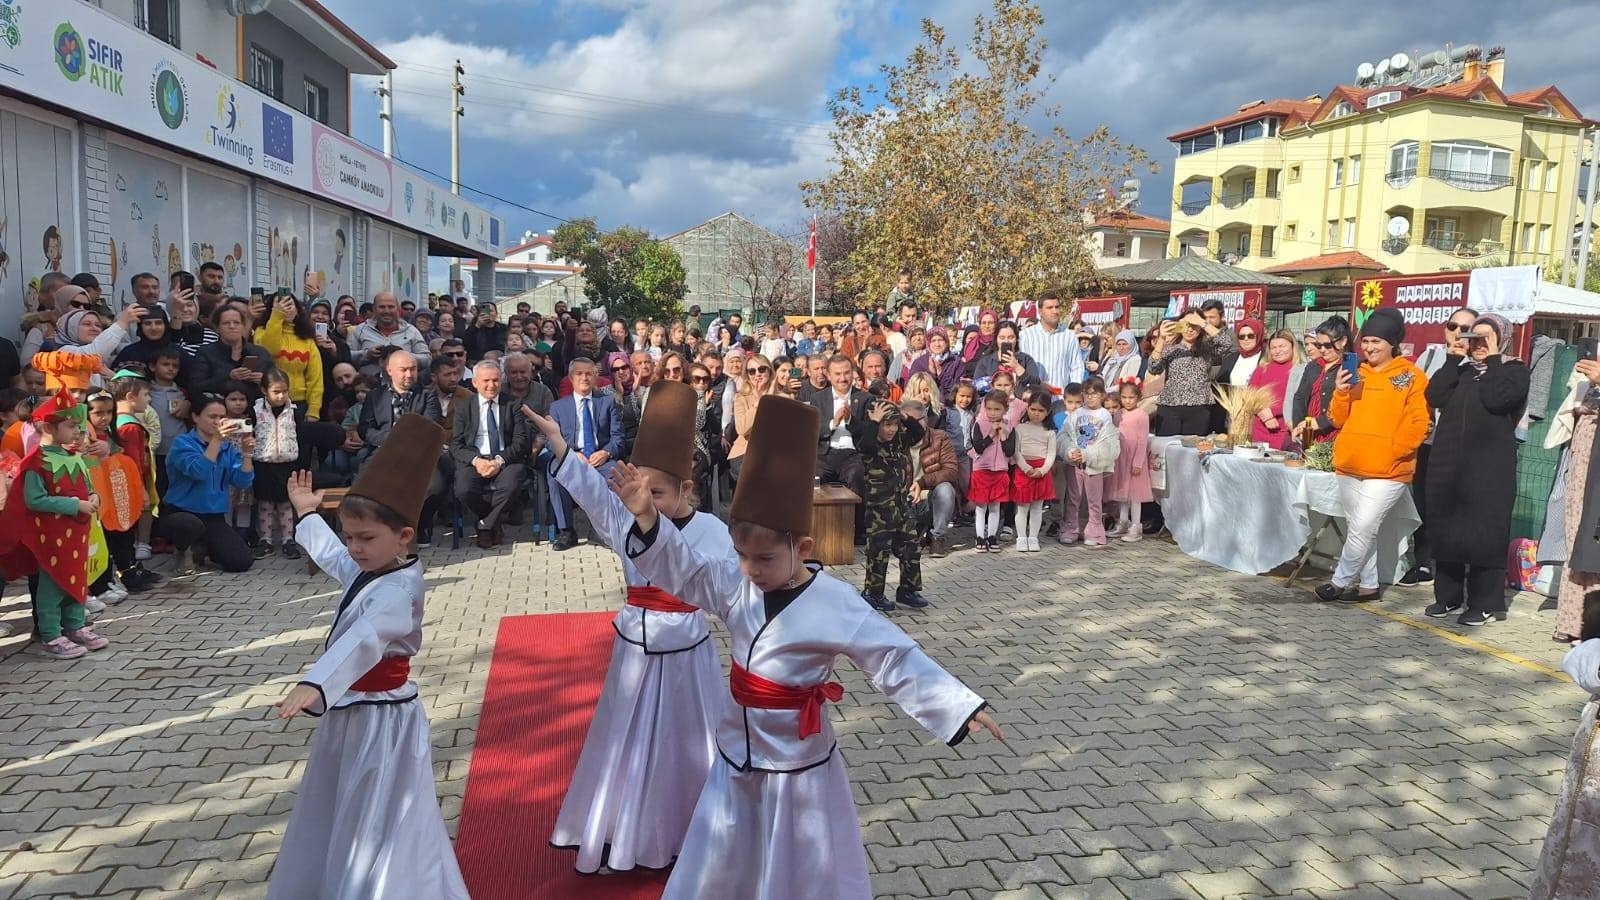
{"type": "Point", "coordinates": [1251, 338]}
{"type": "Point", "coordinates": [672, 367]}
{"type": "Point", "coordinates": [757, 381]}
{"type": "Point", "coordinates": [1317, 382]}
{"type": "Point", "coordinates": [707, 428]}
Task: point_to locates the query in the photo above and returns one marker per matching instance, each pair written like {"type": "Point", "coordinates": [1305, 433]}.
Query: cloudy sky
{"type": "Point", "coordinates": [662, 113]}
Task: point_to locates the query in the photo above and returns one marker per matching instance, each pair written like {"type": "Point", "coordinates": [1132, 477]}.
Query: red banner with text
{"type": "Point", "coordinates": [1237, 303]}
{"type": "Point", "coordinates": [1098, 312]}
{"type": "Point", "coordinates": [1426, 302]}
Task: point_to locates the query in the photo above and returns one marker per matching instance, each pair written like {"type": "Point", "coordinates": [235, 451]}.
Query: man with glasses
{"type": "Point", "coordinates": [591, 424]}
{"type": "Point", "coordinates": [1430, 361]}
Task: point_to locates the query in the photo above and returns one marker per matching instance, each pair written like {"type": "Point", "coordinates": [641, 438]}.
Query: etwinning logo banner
{"type": "Point", "coordinates": [75, 56]}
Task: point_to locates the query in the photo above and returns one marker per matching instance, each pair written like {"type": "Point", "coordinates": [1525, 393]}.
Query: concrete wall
{"type": "Point", "coordinates": [301, 60]}
{"type": "Point", "coordinates": [204, 29]}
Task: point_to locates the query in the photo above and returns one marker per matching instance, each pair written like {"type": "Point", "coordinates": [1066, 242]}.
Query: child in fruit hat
{"type": "Point", "coordinates": [45, 528]}
{"type": "Point", "coordinates": [776, 818]}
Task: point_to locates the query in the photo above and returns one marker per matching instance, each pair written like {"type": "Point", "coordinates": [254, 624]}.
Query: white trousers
{"type": "Point", "coordinates": [1366, 502]}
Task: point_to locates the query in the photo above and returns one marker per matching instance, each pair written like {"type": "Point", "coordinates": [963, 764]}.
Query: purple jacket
{"type": "Point", "coordinates": [949, 373]}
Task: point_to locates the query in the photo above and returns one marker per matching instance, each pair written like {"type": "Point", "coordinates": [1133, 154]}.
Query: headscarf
{"type": "Point", "coordinates": [64, 296]}
{"type": "Point", "coordinates": [67, 325]}
{"type": "Point", "coordinates": [977, 342]}
{"type": "Point", "coordinates": [1261, 335]}
{"type": "Point", "coordinates": [1113, 368]}
{"type": "Point", "coordinates": [1502, 333]}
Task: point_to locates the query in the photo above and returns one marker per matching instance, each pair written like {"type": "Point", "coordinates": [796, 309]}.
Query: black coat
{"type": "Point", "coordinates": [1472, 470]}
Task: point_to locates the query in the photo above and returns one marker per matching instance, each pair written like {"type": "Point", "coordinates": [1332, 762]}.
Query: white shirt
{"type": "Point", "coordinates": [840, 439]}
{"type": "Point", "coordinates": [584, 405]}
{"type": "Point", "coordinates": [484, 405]}
{"type": "Point", "coordinates": [1057, 353]}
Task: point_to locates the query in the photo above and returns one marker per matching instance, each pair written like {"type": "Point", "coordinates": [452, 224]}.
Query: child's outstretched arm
{"type": "Point", "coordinates": [387, 617]}
{"type": "Point", "coordinates": [313, 534]}
{"type": "Point", "coordinates": [661, 554]}
{"type": "Point", "coordinates": [937, 700]}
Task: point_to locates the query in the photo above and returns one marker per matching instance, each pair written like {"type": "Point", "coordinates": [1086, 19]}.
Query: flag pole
{"type": "Point", "coordinates": [812, 260]}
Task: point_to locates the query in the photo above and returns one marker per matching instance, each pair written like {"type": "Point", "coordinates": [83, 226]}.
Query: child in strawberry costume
{"type": "Point", "coordinates": [46, 525]}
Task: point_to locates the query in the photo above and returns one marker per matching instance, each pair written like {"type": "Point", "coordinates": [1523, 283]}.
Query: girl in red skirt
{"type": "Point", "coordinates": [991, 447]}
{"type": "Point", "coordinates": [1031, 484]}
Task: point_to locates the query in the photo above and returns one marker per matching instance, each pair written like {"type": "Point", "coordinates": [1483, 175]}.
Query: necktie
{"type": "Point", "coordinates": [494, 431]}
{"type": "Point", "coordinates": [588, 428]}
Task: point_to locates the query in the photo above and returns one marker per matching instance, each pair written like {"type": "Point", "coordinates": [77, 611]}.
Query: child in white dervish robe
{"type": "Point", "coordinates": [650, 744]}
{"type": "Point", "coordinates": [776, 820]}
{"type": "Point", "coordinates": [366, 823]}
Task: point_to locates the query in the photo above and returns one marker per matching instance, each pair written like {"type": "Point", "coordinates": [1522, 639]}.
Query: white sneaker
{"type": "Point", "coordinates": [141, 551]}
{"type": "Point", "coordinates": [114, 594]}
{"type": "Point", "coordinates": [1134, 535]}
{"type": "Point", "coordinates": [94, 604]}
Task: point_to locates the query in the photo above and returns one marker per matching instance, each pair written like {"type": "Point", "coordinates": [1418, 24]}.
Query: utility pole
{"type": "Point", "coordinates": [1579, 279]}
{"type": "Point", "coordinates": [456, 112]}
{"type": "Point", "coordinates": [386, 112]}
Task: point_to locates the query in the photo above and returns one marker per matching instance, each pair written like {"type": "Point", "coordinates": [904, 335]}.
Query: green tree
{"type": "Point", "coordinates": [955, 168]}
{"type": "Point", "coordinates": [626, 271]}
{"type": "Point", "coordinates": [1560, 273]}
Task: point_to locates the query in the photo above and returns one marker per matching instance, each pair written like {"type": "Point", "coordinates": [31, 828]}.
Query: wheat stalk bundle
{"type": "Point", "coordinates": [1243, 405]}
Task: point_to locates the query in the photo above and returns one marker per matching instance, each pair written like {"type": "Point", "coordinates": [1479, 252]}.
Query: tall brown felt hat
{"type": "Point", "coordinates": [666, 430]}
{"type": "Point", "coordinates": [775, 486]}
{"type": "Point", "coordinates": [397, 474]}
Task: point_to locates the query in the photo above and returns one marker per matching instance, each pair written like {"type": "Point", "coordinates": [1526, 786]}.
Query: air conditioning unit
{"type": "Point", "coordinates": [1382, 97]}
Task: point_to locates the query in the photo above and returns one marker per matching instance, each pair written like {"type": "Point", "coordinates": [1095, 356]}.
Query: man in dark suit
{"type": "Point", "coordinates": [386, 405]}
{"type": "Point", "coordinates": [490, 447]}
{"type": "Point", "coordinates": [592, 426]}
{"type": "Point", "coordinates": [837, 458]}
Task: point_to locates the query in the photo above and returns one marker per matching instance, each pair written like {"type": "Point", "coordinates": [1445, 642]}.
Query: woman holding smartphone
{"type": "Point", "coordinates": [232, 357]}
{"type": "Point", "coordinates": [1471, 482]}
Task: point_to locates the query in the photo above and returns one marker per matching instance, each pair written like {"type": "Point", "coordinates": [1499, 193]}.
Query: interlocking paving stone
{"type": "Point", "coordinates": [1176, 731]}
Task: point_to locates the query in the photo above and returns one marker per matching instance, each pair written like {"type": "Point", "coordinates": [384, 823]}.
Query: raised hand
{"type": "Point", "coordinates": [633, 489]}
{"type": "Point", "coordinates": [301, 496]}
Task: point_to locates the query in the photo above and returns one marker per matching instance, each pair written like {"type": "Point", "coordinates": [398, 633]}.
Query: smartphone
{"type": "Point", "coordinates": [258, 293]}
{"type": "Point", "coordinates": [1589, 348]}
{"type": "Point", "coordinates": [185, 281]}
{"type": "Point", "coordinates": [1352, 364]}
{"type": "Point", "coordinates": [322, 329]}
{"type": "Point", "coordinates": [251, 362]}
{"type": "Point", "coordinates": [794, 373]}
{"type": "Point", "coordinates": [173, 405]}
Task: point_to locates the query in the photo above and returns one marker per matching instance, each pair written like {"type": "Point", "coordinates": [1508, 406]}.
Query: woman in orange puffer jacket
{"type": "Point", "coordinates": [1383, 416]}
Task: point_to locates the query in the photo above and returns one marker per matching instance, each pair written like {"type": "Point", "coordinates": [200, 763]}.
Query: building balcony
{"type": "Point", "coordinates": [1234, 199]}
{"type": "Point", "coordinates": [1399, 178]}
{"type": "Point", "coordinates": [1194, 207]}
{"type": "Point", "coordinates": [1462, 246]}
{"type": "Point", "coordinates": [1467, 180]}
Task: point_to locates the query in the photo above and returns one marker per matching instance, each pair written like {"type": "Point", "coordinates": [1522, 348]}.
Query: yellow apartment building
{"type": "Point", "coordinates": [1388, 175]}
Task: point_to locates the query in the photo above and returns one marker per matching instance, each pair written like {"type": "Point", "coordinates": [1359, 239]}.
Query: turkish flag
{"type": "Point", "coordinates": [811, 246]}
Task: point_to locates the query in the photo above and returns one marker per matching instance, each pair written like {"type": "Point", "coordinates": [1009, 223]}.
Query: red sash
{"type": "Point", "coordinates": [385, 676]}
{"type": "Point", "coordinates": [754, 692]}
{"type": "Point", "coordinates": [650, 597]}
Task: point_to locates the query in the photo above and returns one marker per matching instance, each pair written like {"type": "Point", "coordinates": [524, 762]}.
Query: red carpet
{"type": "Point", "coordinates": [544, 680]}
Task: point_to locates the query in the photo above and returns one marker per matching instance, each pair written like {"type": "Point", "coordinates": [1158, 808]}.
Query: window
{"type": "Point", "coordinates": [1122, 248]}
{"type": "Point", "coordinates": [266, 73]}
{"type": "Point", "coordinates": [1471, 165]}
{"type": "Point", "coordinates": [159, 18]}
{"type": "Point", "coordinates": [1342, 109]}
{"type": "Point", "coordinates": [1403, 160]}
{"type": "Point", "coordinates": [1550, 176]}
{"type": "Point", "coordinates": [1197, 143]}
{"type": "Point", "coordinates": [1294, 173]}
{"type": "Point", "coordinates": [316, 101]}
{"type": "Point", "coordinates": [1353, 173]}
{"type": "Point", "coordinates": [1527, 239]}
{"type": "Point", "coordinates": [1333, 234]}
{"type": "Point", "coordinates": [1349, 232]}
{"type": "Point", "coordinates": [1291, 231]}
{"type": "Point", "coordinates": [1249, 131]}
{"type": "Point", "coordinates": [1338, 172]}
{"type": "Point", "coordinates": [1544, 238]}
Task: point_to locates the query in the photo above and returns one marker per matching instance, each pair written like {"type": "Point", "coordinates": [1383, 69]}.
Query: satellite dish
{"type": "Point", "coordinates": [1399, 227]}
{"type": "Point", "coordinates": [1365, 71]}
{"type": "Point", "coordinates": [1399, 62]}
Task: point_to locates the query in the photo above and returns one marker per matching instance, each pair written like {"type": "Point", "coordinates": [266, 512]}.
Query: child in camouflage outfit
{"type": "Point", "coordinates": [885, 440]}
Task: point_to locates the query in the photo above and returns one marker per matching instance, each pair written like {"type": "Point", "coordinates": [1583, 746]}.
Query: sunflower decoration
{"type": "Point", "coordinates": [1371, 296]}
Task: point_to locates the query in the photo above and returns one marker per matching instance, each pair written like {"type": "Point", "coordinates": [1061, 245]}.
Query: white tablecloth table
{"type": "Point", "coordinates": [1253, 517]}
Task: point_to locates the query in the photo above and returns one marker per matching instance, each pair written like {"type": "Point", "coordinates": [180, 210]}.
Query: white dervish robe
{"type": "Point", "coordinates": [650, 744]}
{"type": "Point", "coordinates": [366, 823]}
{"type": "Point", "coordinates": [776, 820]}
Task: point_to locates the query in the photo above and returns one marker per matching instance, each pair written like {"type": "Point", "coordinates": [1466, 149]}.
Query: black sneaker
{"type": "Point", "coordinates": [1353, 595]}
{"type": "Point", "coordinates": [1439, 610]}
{"type": "Point", "coordinates": [913, 599]}
{"type": "Point", "coordinates": [980, 545]}
{"type": "Point", "coordinates": [881, 604]}
{"type": "Point", "coordinates": [263, 550]}
{"type": "Point", "coordinates": [139, 580]}
{"type": "Point", "coordinates": [291, 550]}
{"type": "Point", "coordinates": [1473, 618]}
{"type": "Point", "coordinates": [994, 544]}
{"type": "Point", "coordinates": [1417, 575]}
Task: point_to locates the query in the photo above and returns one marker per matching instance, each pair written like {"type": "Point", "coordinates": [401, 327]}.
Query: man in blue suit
{"type": "Point", "coordinates": [591, 424]}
